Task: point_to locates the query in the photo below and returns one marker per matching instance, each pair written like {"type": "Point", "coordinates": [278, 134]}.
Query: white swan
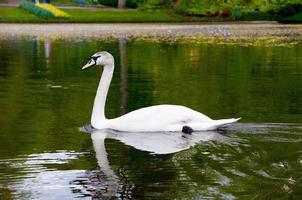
{"type": "Point", "coordinates": [149, 119]}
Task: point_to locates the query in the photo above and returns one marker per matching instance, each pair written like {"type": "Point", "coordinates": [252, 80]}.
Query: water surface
{"type": "Point", "coordinates": [45, 98]}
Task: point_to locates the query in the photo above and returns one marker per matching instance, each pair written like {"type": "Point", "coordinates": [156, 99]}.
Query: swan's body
{"type": "Point", "coordinates": [149, 119]}
{"type": "Point", "coordinates": [161, 118]}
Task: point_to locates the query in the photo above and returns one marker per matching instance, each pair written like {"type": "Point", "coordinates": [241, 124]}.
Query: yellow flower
{"type": "Point", "coordinates": [56, 11]}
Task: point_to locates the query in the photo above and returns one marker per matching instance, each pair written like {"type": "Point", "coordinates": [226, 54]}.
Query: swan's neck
{"type": "Point", "coordinates": [98, 111]}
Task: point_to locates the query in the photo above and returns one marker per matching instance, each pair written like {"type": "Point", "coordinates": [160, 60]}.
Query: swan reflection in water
{"type": "Point", "coordinates": [113, 183]}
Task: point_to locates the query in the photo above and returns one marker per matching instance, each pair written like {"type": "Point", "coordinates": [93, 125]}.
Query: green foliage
{"type": "Point", "coordinates": [293, 19]}
{"type": "Point", "coordinates": [31, 7]}
{"type": "Point", "coordinates": [287, 10]}
{"type": "Point", "coordinates": [200, 7]}
{"type": "Point", "coordinates": [134, 3]}
{"type": "Point", "coordinates": [129, 3]}
{"type": "Point", "coordinates": [240, 9]}
{"type": "Point", "coordinates": [112, 3]}
{"type": "Point", "coordinates": [256, 15]}
{"type": "Point", "coordinates": [151, 4]}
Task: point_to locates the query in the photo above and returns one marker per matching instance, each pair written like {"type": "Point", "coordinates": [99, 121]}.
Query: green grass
{"type": "Point", "coordinates": [97, 15]}
{"type": "Point", "coordinates": [8, 14]}
{"type": "Point", "coordinates": [110, 15]}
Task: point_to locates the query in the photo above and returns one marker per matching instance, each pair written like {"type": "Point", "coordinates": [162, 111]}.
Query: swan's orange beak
{"type": "Point", "coordinates": [91, 63]}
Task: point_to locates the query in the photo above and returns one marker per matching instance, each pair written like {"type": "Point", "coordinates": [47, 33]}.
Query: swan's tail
{"type": "Point", "coordinates": [221, 122]}
{"type": "Point", "coordinates": [210, 126]}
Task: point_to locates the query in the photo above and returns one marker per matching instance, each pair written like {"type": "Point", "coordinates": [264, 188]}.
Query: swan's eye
{"type": "Point", "coordinates": [95, 58]}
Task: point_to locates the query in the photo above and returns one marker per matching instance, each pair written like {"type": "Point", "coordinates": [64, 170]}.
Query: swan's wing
{"type": "Point", "coordinates": [157, 118]}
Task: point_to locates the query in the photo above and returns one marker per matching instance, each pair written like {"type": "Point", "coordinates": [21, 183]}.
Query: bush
{"type": "Point", "coordinates": [134, 3]}
{"type": "Point", "coordinates": [237, 8]}
{"type": "Point", "coordinates": [151, 4]}
{"type": "Point", "coordinates": [293, 19]}
{"type": "Point", "coordinates": [286, 10]}
{"type": "Point", "coordinates": [112, 3]}
{"type": "Point", "coordinates": [255, 15]}
{"type": "Point", "coordinates": [237, 14]}
{"type": "Point", "coordinates": [201, 7]}
{"type": "Point", "coordinates": [31, 7]}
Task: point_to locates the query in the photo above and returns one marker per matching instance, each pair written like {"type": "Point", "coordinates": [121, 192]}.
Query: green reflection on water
{"type": "Point", "coordinates": [44, 98]}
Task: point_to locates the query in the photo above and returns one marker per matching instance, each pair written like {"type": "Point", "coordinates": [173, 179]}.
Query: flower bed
{"type": "Point", "coordinates": [55, 11]}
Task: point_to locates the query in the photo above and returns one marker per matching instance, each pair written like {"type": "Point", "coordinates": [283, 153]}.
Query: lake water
{"type": "Point", "coordinates": [45, 98]}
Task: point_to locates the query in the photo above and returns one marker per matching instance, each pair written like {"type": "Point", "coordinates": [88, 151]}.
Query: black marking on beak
{"type": "Point", "coordinates": [91, 62]}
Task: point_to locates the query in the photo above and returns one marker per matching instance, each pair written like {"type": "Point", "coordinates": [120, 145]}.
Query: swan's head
{"type": "Point", "coordinates": [102, 58]}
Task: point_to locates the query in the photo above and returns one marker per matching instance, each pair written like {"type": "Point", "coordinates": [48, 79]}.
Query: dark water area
{"type": "Point", "coordinates": [45, 98]}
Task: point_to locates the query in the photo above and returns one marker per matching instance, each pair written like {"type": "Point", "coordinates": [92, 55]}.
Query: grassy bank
{"type": "Point", "coordinates": [105, 15]}
{"type": "Point", "coordinates": [97, 15]}
{"type": "Point", "coordinates": [10, 14]}
{"type": "Point", "coordinates": [115, 15]}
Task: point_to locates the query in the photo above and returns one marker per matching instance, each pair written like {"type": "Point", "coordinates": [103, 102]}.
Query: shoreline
{"type": "Point", "coordinates": [157, 31]}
